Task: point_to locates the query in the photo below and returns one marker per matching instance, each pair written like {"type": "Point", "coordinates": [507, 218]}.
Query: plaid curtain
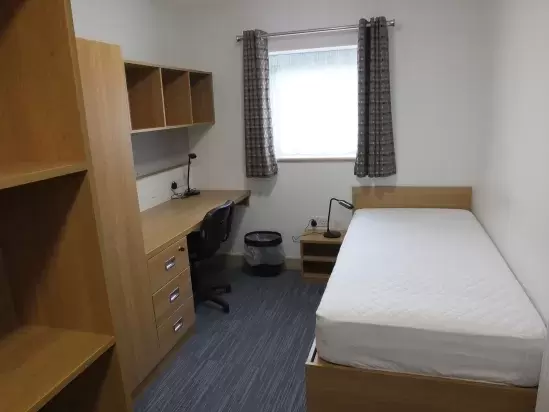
{"type": "Point", "coordinates": [376, 148]}
{"type": "Point", "coordinates": [260, 156]}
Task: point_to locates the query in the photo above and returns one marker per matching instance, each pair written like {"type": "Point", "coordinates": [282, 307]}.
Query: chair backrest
{"type": "Point", "coordinates": [215, 229]}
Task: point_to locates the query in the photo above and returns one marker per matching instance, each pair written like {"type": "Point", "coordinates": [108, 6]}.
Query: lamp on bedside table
{"type": "Point", "coordinates": [334, 234]}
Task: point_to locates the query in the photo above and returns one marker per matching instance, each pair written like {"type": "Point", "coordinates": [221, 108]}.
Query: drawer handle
{"type": "Point", "coordinates": [181, 249]}
{"type": "Point", "coordinates": [174, 295]}
{"type": "Point", "coordinates": [170, 263]}
{"type": "Point", "coordinates": [178, 325]}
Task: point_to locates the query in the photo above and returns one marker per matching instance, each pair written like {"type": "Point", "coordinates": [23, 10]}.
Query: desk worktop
{"type": "Point", "coordinates": [170, 221]}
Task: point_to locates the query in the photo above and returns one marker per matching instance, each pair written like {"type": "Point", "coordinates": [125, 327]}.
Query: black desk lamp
{"type": "Point", "coordinates": [334, 234]}
{"type": "Point", "coordinates": [190, 192]}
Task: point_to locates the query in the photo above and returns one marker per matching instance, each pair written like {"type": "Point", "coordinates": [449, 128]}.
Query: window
{"type": "Point", "coordinates": [314, 102]}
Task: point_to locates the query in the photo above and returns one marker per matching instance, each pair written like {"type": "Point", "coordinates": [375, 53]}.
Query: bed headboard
{"type": "Point", "coordinates": [412, 197]}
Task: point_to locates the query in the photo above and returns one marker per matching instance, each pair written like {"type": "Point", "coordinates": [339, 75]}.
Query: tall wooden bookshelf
{"type": "Point", "coordinates": [57, 346]}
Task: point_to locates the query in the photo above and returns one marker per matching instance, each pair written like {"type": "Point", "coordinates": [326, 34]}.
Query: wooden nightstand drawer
{"type": "Point", "coordinates": [176, 326]}
{"type": "Point", "coordinates": [172, 296]}
{"type": "Point", "coordinates": [168, 264]}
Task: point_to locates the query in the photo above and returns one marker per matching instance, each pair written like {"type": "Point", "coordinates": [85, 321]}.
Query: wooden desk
{"type": "Point", "coordinates": [174, 219]}
{"type": "Point", "coordinates": [167, 288]}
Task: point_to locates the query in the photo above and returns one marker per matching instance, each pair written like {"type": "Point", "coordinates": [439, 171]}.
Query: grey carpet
{"type": "Point", "coordinates": [251, 360]}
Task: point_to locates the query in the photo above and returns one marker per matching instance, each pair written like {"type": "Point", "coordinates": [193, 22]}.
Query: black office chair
{"type": "Point", "coordinates": [214, 230]}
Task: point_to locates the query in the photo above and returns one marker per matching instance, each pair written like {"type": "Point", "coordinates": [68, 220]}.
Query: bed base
{"type": "Point", "coordinates": [335, 388]}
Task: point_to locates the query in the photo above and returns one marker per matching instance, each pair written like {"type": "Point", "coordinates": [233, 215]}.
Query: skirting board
{"type": "Point", "coordinates": [234, 261]}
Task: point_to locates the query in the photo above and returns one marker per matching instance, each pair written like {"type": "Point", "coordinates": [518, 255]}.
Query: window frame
{"type": "Point", "coordinates": [316, 158]}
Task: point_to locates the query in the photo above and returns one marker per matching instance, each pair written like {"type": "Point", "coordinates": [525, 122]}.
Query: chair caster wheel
{"type": "Point", "coordinates": [228, 289]}
{"type": "Point", "coordinates": [226, 310]}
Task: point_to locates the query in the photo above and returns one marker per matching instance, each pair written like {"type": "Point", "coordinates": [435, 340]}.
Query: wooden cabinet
{"type": "Point", "coordinates": [318, 255]}
{"type": "Point", "coordinates": [57, 345]}
{"type": "Point", "coordinates": [172, 294]}
{"type": "Point", "coordinates": [167, 97]}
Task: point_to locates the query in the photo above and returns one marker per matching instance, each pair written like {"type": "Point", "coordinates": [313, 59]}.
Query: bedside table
{"type": "Point", "coordinates": [318, 255]}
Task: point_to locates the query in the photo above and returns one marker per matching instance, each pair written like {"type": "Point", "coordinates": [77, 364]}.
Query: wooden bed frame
{"type": "Point", "coordinates": [335, 388]}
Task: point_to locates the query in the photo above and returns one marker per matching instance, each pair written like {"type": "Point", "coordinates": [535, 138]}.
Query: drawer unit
{"type": "Point", "coordinates": [175, 327]}
{"type": "Point", "coordinates": [172, 296]}
{"type": "Point", "coordinates": [168, 264]}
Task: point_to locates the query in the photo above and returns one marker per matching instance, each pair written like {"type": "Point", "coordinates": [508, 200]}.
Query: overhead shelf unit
{"type": "Point", "coordinates": [56, 335]}
{"type": "Point", "coordinates": [164, 98]}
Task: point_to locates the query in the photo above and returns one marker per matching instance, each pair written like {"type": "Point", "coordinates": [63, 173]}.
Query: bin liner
{"type": "Point", "coordinates": [264, 253]}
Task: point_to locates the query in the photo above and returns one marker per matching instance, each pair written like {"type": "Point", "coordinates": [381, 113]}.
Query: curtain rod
{"type": "Point", "coordinates": [308, 31]}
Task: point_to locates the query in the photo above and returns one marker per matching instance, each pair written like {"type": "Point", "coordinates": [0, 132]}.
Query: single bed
{"type": "Point", "coordinates": [430, 295]}
{"type": "Point", "coordinates": [422, 313]}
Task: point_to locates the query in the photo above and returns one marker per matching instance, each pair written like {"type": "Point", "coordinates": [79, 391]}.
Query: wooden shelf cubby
{"type": "Point", "coordinates": [164, 98]}
{"type": "Point", "coordinates": [202, 97]}
{"type": "Point", "coordinates": [177, 97]}
{"type": "Point", "coordinates": [145, 96]}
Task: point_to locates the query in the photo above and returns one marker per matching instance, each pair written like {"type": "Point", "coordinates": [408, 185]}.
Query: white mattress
{"type": "Point", "coordinates": [426, 291]}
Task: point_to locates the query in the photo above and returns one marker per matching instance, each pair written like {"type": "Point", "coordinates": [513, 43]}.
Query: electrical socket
{"type": "Point", "coordinates": [322, 221]}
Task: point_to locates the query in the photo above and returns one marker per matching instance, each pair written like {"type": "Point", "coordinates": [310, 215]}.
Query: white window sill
{"type": "Point", "coordinates": [316, 159]}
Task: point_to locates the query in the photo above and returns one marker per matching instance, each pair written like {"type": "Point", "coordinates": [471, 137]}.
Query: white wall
{"type": "Point", "coordinates": [144, 30]}
{"type": "Point", "coordinates": [439, 73]}
{"type": "Point", "coordinates": [512, 195]}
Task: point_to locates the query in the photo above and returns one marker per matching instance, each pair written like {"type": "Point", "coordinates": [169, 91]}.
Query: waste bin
{"type": "Point", "coordinates": [263, 253]}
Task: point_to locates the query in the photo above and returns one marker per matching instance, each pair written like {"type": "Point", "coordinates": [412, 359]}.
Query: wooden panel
{"type": "Point", "coordinates": [323, 268]}
{"type": "Point", "coordinates": [413, 197]}
{"type": "Point", "coordinates": [151, 65]}
{"type": "Point", "coordinates": [176, 326]}
{"type": "Point", "coordinates": [333, 388]}
{"type": "Point", "coordinates": [36, 363]}
{"type": "Point", "coordinates": [7, 312]}
{"type": "Point", "coordinates": [177, 97]}
{"type": "Point", "coordinates": [202, 98]}
{"type": "Point", "coordinates": [312, 258]}
{"type": "Point", "coordinates": [40, 109]}
{"type": "Point", "coordinates": [175, 219]}
{"type": "Point", "coordinates": [157, 129]}
{"type": "Point", "coordinates": [171, 296]}
{"type": "Point", "coordinates": [318, 237]}
{"type": "Point", "coordinates": [316, 277]}
{"type": "Point", "coordinates": [97, 389]}
{"type": "Point", "coordinates": [119, 221]}
{"type": "Point", "coordinates": [145, 96]}
{"type": "Point", "coordinates": [168, 264]}
{"type": "Point", "coordinates": [17, 174]}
